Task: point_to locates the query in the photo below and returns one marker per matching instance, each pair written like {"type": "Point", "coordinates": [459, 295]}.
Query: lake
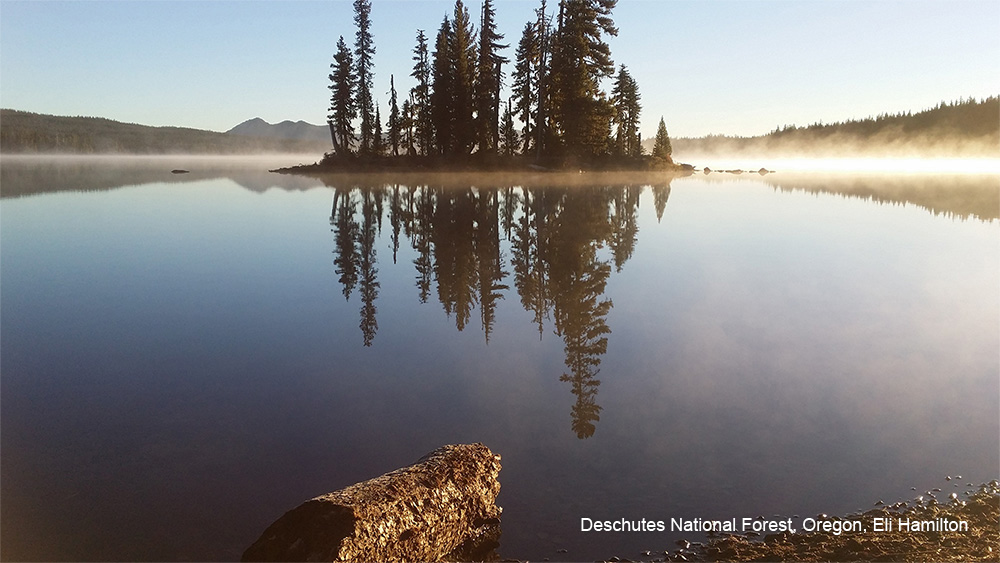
{"type": "Point", "coordinates": [186, 357]}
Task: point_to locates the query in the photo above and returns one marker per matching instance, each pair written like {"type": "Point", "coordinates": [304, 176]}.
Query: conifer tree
{"type": "Point", "coordinates": [543, 31]}
{"type": "Point", "coordinates": [420, 94]}
{"type": "Point", "coordinates": [662, 151]}
{"type": "Point", "coordinates": [394, 125]}
{"type": "Point", "coordinates": [364, 52]}
{"type": "Point", "coordinates": [625, 96]}
{"type": "Point", "coordinates": [442, 89]}
{"type": "Point", "coordinates": [378, 140]}
{"type": "Point", "coordinates": [407, 122]}
{"type": "Point", "coordinates": [580, 59]}
{"type": "Point", "coordinates": [463, 58]}
{"type": "Point", "coordinates": [488, 79]}
{"type": "Point", "coordinates": [509, 140]}
{"type": "Point", "coordinates": [525, 79]}
{"type": "Point", "coordinates": [342, 109]}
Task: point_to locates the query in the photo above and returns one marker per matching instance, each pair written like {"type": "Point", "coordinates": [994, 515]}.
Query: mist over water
{"type": "Point", "coordinates": [847, 165]}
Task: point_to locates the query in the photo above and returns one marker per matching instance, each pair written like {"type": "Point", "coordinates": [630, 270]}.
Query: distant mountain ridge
{"type": "Point", "coordinates": [26, 132]}
{"type": "Point", "coordinates": [300, 130]}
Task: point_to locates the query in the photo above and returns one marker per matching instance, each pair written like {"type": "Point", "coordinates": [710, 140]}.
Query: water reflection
{"type": "Point", "coordinates": [953, 195]}
{"type": "Point", "coordinates": [557, 236]}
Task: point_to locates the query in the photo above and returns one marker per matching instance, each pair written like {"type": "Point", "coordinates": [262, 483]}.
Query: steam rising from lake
{"type": "Point", "coordinates": [850, 164]}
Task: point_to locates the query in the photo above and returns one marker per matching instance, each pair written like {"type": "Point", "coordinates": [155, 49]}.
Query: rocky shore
{"type": "Point", "coordinates": [916, 530]}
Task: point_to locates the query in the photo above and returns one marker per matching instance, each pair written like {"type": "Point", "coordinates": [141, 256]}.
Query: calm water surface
{"type": "Point", "coordinates": [184, 358]}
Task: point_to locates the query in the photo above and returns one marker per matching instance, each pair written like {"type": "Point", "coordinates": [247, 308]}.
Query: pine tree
{"type": "Point", "coordinates": [488, 79]}
{"type": "Point", "coordinates": [543, 30]}
{"type": "Point", "coordinates": [342, 109]}
{"type": "Point", "coordinates": [625, 96]}
{"type": "Point", "coordinates": [580, 59]}
{"type": "Point", "coordinates": [463, 58]}
{"type": "Point", "coordinates": [364, 52]}
{"type": "Point", "coordinates": [442, 89]}
{"type": "Point", "coordinates": [378, 140]}
{"type": "Point", "coordinates": [509, 140]}
{"type": "Point", "coordinates": [662, 151]}
{"type": "Point", "coordinates": [407, 122]}
{"type": "Point", "coordinates": [420, 93]}
{"type": "Point", "coordinates": [394, 125]}
{"type": "Point", "coordinates": [525, 79]}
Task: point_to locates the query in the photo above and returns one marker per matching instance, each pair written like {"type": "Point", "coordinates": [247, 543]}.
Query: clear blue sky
{"type": "Point", "coordinates": [707, 66]}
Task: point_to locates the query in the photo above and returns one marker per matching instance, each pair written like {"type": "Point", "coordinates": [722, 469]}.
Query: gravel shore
{"type": "Point", "coordinates": [925, 535]}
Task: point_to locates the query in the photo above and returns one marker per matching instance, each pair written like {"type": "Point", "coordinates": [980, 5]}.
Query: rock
{"type": "Point", "coordinates": [441, 507]}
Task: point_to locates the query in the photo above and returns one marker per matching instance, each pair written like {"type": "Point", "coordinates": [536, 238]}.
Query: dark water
{"type": "Point", "coordinates": [184, 358]}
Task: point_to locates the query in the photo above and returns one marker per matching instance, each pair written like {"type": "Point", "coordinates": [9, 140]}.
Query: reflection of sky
{"type": "Point", "coordinates": [179, 360]}
{"type": "Point", "coordinates": [832, 323]}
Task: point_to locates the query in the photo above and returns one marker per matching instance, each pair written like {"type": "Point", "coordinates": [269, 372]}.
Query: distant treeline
{"type": "Point", "coordinates": [24, 132]}
{"type": "Point", "coordinates": [963, 128]}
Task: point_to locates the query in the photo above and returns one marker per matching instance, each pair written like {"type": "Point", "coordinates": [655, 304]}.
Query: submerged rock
{"type": "Point", "coordinates": [442, 507]}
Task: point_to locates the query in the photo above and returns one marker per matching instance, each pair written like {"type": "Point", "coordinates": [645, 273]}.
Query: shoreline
{"type": "Point", "coordinates": [955, 529]}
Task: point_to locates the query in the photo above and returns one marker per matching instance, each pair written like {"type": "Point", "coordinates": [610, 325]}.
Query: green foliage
{"type": "Point", "coordinates": [488, 78]}
{"type": "Point", "coordinates": [662, 151]}
{"type": "Point", "coordinates": [394, 120]}
{"type": "Point", "coordinates": [364, 52]}
{"type": "Point", "coordinates": [580, 59]}
{"type": "Point", "coordinates": [525, 77]}
{"type": "Point", "coordinates": [442, 90]}
{"type": "Point", "coordinates": [420, 94]}
{"type": "Point", "coordinates": [625, 97]}
{"type": "Point", "coordinates": [462, 57]}
{"type": "Point", "coordinates": [342, 108]}
{"type": "Point", "coordinates": [509, 140]}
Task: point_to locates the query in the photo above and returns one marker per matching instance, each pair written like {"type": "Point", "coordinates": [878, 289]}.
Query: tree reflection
{"type": "Point", "coordinates": [346, 232]}
{"type": "Point", "coordinates": [562, 242]}
{"type": "Point", "coordinates": [371, 211]}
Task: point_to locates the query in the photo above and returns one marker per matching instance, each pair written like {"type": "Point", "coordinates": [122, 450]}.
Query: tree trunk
{"type": "Point", "coordinates": [442, 507]}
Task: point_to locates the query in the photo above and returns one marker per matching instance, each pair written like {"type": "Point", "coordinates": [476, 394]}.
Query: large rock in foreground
{"type": "Point", "coordinates": [443, 506]}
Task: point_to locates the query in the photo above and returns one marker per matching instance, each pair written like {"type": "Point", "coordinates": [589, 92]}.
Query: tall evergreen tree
{"type": "Point", "coordinates": [342, 109]}
{"type": "Point", "coordinates": [662, 151]}
{"type": "Point", "coordinates": [420, 93]}
{"type": "Point", "coordinates": [394, 121]}
{"type": "Point", "coordinates": [625, 96]}
{"type": "Point", "coordinates": [463, 59]}
{"type": "Point", "coordinates": [543, 30]}
{"type": "Point", "coordinates": [364, 52]}
{"type": "Point", "coordinates": [525, 79]}
{"type": "Point", "coordinates": [580, 59]}
{"type": "Point", "coordinates": [378, 139]}
{"type": "Point", "coordinates": [407, 123]}
{"type": "Point", "coordinates": [488, 80]}
{"type": "Point", "coordinates": [509, 140]}
{"type": "Point", "coordinates": [442, 90]}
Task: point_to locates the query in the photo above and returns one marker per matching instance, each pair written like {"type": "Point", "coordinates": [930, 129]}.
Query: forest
{"type": "Point", "coordinates": [961, 128]}
{"type": "Point", "coordinates": [558, 115]}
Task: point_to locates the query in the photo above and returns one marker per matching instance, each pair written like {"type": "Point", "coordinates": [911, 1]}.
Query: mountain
{"type": "Point", "coordinates": [25, 132]}
{"type": "Point", "coordinates": [300, 130]}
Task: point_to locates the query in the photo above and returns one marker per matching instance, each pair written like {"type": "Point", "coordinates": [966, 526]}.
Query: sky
{"type": "Point", "coordinates": [706, 66]}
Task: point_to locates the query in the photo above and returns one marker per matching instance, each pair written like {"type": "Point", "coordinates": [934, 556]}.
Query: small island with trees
{"type": "Point", "coordinates": [557, 117]}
